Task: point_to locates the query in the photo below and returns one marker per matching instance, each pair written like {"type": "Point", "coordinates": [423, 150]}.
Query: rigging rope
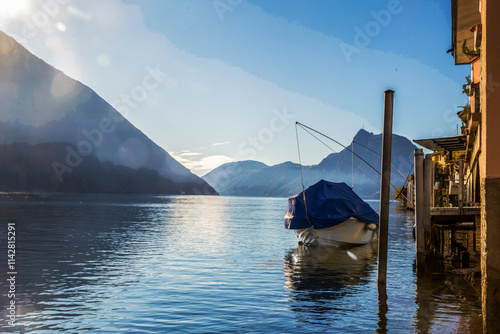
{"type": "Point", "coordinates": [366, 162]}
{"type": "Point", "coordinates": [352, 167]}
{"type": "Point", "coordinates": [305, 127]}
{"type": "Point", "coordinates": [301, 175]}
{"type": "Point", "coordinates": [406, 177]}
{"type": "Point", "coordinates": [400, 172]}
{"type": "Point", "coordinates": [322, 142]}
{"type": "Point", "coordinates": [407, 181]}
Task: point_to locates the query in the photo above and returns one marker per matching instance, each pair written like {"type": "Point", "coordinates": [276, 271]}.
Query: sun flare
{"type": "Point", "coordinates": [12, 8]}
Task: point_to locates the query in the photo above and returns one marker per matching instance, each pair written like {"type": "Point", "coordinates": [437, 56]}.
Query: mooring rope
{"type": "Point", "coordinates": [407, 181]}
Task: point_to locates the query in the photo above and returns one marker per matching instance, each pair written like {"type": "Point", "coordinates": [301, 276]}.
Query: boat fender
{"type": "Point", "coordinates": [371, 227]}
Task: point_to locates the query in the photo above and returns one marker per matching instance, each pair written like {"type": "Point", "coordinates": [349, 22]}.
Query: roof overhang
{"type": "Point", "coordinates": [457, 143]}
{"type": "Point", "coordinates": [465, 15]}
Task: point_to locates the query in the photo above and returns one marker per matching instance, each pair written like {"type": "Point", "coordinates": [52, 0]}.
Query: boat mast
{"type": "Point", "coordinates": [352, 165]}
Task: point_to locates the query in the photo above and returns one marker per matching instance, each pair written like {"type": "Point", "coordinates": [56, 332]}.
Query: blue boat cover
{"type": "Point", "coordinates": [328, 204]}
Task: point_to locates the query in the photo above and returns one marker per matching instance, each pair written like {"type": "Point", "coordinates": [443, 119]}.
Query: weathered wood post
{"type": "Point", "coordinates": [385, 189]}
{"type": "Point", "coordinates": [460, 184]}
{"type": "Point", "coordinates": [428, 200]}
{"type": "Point", "coordinates": [410, 196]}
{"type": "Point", "coordinates": [419, 206]}
{"type": "Point", "coordinates": [385, 193]}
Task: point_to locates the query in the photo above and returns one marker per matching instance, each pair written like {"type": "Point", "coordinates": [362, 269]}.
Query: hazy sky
{"type": "Point", "coordinates": [213, 81]}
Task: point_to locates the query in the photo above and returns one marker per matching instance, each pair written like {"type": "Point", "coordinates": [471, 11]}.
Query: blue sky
{"type": "Point", "coordinates": [231, 77]}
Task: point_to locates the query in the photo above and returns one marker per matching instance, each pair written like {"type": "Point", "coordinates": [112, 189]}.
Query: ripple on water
{"type": "Point", "coordinates": [156, 264]}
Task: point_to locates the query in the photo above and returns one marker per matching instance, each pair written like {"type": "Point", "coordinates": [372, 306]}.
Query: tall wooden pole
{"type": "Point", "coordinates": [461, 184]}
{"type": "Point", "coordinates": [385, 190]}
{"type": "Point", "coordinates": [419, 207]}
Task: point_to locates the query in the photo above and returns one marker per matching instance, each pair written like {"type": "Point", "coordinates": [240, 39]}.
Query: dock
{"type": "Point", "coordinates": [447, 218]}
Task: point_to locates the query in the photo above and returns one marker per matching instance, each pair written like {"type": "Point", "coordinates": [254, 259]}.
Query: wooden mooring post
{"type": "Point", "coordinates": [428, 196]}
{"type": "Point", "coordinates": [419, 206]}
{"type": "Point", "coordinates": [385, 190]}
{"type": "Point", "coordinates": [385, 194]}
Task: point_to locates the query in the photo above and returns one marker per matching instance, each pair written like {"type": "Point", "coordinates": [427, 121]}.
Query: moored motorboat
{"type": "Point", "coordinates": [331, 214]}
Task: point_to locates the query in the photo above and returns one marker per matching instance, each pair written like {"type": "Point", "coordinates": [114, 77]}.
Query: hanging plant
{"type": "Point", "coordinates": [464, 113]}
{"type": "Point", "coordinates": [470, 53]}
{"type": "Point", "coordinates": [466, 88]}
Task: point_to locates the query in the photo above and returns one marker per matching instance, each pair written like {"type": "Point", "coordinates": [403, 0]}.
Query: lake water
{"type": "Point", "coordinates": [189, 264]}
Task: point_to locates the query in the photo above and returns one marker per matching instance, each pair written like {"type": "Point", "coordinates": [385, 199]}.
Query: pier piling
{"type": "Point", "coordinates": [385, 190]}
{"type": "Point", "coordinates": [419, 206]}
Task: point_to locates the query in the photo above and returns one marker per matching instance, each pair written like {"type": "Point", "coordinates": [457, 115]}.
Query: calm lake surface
{"type": "Point", "coordinates": [189, 264]}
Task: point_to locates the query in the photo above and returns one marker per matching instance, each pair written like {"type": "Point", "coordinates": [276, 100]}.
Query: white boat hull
{"type": "Point", "coordinates": [350, 232]}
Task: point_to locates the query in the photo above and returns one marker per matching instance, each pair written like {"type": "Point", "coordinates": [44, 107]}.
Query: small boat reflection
{"type": "Point", "coordinates": [327, 272]}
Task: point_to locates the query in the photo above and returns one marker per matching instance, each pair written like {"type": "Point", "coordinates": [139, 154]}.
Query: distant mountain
{"type": "Point", "coordinates": [26, 168]}
{"type": "Point", "coordinates": [228, 176]}
{"type": "Point", "coordinates": [40, 104]}
{"type": "Point", "coordinates": [251, 178]}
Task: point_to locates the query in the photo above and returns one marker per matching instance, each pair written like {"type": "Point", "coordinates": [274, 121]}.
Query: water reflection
{"type": "Point", "coordinates": [316, 276]}
{"type": "Point", "coordinates": [67, 248]}
{"type": "Point", "coordinates": [203, 220]}
{"type": "Point", "coordinates": [444, 299]}
{"type": "Point", "coordinates": [111, 264]}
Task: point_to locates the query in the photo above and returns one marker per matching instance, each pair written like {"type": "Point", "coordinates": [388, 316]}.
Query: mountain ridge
{"type": "Point", "coordinates": [27, 168]}
{"type": "Point", "coordinates": [40, 104]}
{"type": "Point", "coordinates": [284, 179]}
